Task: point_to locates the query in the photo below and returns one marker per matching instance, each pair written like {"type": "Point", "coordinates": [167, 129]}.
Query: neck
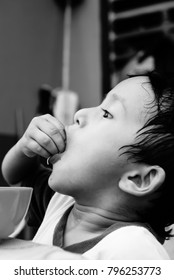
{"type": "Point", "coordinates": [94, 219]}
{"type": "Point", "coordinates": [85, 222]}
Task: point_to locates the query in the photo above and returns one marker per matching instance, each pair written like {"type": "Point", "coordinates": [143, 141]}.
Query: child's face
{"type": "Point", "coordinates": [91, 162]}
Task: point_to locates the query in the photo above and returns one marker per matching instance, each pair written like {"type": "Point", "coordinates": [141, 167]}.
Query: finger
{"type": "Point", "coordinates": [46, 142]}
{"type": "Point", "coordinates": [57, 124]}
{"type": "Point", "coordinates": [34, 148]}
{"type": "Point", "coordinates": [53, 132]}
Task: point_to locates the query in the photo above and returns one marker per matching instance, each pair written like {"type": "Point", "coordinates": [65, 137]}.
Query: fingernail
{"type": "Point", "coordinates": [48, 161]}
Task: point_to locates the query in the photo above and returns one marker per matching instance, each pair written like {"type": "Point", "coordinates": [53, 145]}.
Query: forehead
{"type": "Point", "coordinates": [133, 88]}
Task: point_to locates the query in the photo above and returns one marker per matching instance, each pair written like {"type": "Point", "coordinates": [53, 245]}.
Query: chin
{"type": "Point", "coordinates": [53, 184]}
{"type": "Point", "coordinates": [58, 185]}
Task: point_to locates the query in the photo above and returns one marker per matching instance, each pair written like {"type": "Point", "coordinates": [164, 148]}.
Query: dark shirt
{"type": "Point", "coordinates": [41, 196]}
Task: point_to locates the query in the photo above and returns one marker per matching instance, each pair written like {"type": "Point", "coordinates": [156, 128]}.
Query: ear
{"type": "Point", "coordinates": [143, 180]}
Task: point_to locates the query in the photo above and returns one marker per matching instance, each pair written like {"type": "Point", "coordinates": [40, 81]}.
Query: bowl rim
{"type": "Point", "coordinates": [15, 188]}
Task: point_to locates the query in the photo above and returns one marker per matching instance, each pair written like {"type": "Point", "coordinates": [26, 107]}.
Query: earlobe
{"type": "Point", "coordinates": [142, 180]}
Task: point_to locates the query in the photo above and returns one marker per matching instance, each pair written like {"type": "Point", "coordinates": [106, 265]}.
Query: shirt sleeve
{"type": "Point", "coordinates": [41, 196]}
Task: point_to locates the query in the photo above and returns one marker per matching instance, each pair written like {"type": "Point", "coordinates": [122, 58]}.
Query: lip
{"type": "Point", "coordinates": [53, 159]}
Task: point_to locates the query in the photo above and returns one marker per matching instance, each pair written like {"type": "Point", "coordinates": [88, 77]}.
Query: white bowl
{"type": "Point", "coordinates": [14, 204]}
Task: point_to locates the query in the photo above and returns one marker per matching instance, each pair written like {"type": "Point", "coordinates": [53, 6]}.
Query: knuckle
{"type": "Point", "coordinates": [38, 148]}
{"type": "Point", "coordinates": [45, 141]}
{"type": "Point", "coordinates": [54, 130]}
{"type": "Point", "coordinates": [46, 116]}
{"type": "Point", "coordinates": [34, 121]}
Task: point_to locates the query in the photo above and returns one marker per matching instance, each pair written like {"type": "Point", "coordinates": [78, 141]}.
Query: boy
{"type": "Point", "coordinates": [111, 173]}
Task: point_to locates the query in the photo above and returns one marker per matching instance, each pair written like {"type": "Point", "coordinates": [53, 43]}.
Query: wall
{"type": "Point", "coordinates": [30, 55]}
{"type": "Point", "coordinates": [30, 51]}
{"type": "Point", "coordinates": [86, 53]}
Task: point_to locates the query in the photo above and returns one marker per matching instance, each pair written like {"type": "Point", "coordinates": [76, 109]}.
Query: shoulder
{"type": "Point", "coordinates": [129, 243]}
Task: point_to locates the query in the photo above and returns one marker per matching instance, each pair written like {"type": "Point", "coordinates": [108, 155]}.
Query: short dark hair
{"type": "Point", "coordinates": [154, 145]}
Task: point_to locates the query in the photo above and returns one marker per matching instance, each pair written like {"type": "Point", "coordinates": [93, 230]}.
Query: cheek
{"type": "Point", "coordinates": [98, 150]}
{"type": "Point", "coordinates": [90, 162]}
{"type": "Point", "coordinates": [86, 169]}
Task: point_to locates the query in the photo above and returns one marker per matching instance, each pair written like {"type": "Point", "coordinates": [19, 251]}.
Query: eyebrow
{"type": "Point", "coordinates": [115, 97]}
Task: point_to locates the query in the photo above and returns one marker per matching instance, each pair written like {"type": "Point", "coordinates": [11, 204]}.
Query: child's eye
{"type": "Point", "coordinates": [106, 114]}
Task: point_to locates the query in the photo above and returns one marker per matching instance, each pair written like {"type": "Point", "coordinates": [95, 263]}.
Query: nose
{"type": "Point", "coordinates": [81, 117]}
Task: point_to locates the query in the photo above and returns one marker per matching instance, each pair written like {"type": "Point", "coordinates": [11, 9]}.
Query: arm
{"type": "Point", "coordinates": [16, 164]}
{"type": "Point", "coordinates": [44, 136]}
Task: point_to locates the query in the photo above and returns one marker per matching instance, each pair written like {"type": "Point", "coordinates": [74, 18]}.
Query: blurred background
{"type": "Point", "coordinates": [108, 39]}
{"type": "Point", "coordinates": [31, 40]}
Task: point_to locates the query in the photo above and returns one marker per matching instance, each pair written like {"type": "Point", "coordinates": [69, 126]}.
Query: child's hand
{"type": "Point", "coordinates": [45, 136]}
